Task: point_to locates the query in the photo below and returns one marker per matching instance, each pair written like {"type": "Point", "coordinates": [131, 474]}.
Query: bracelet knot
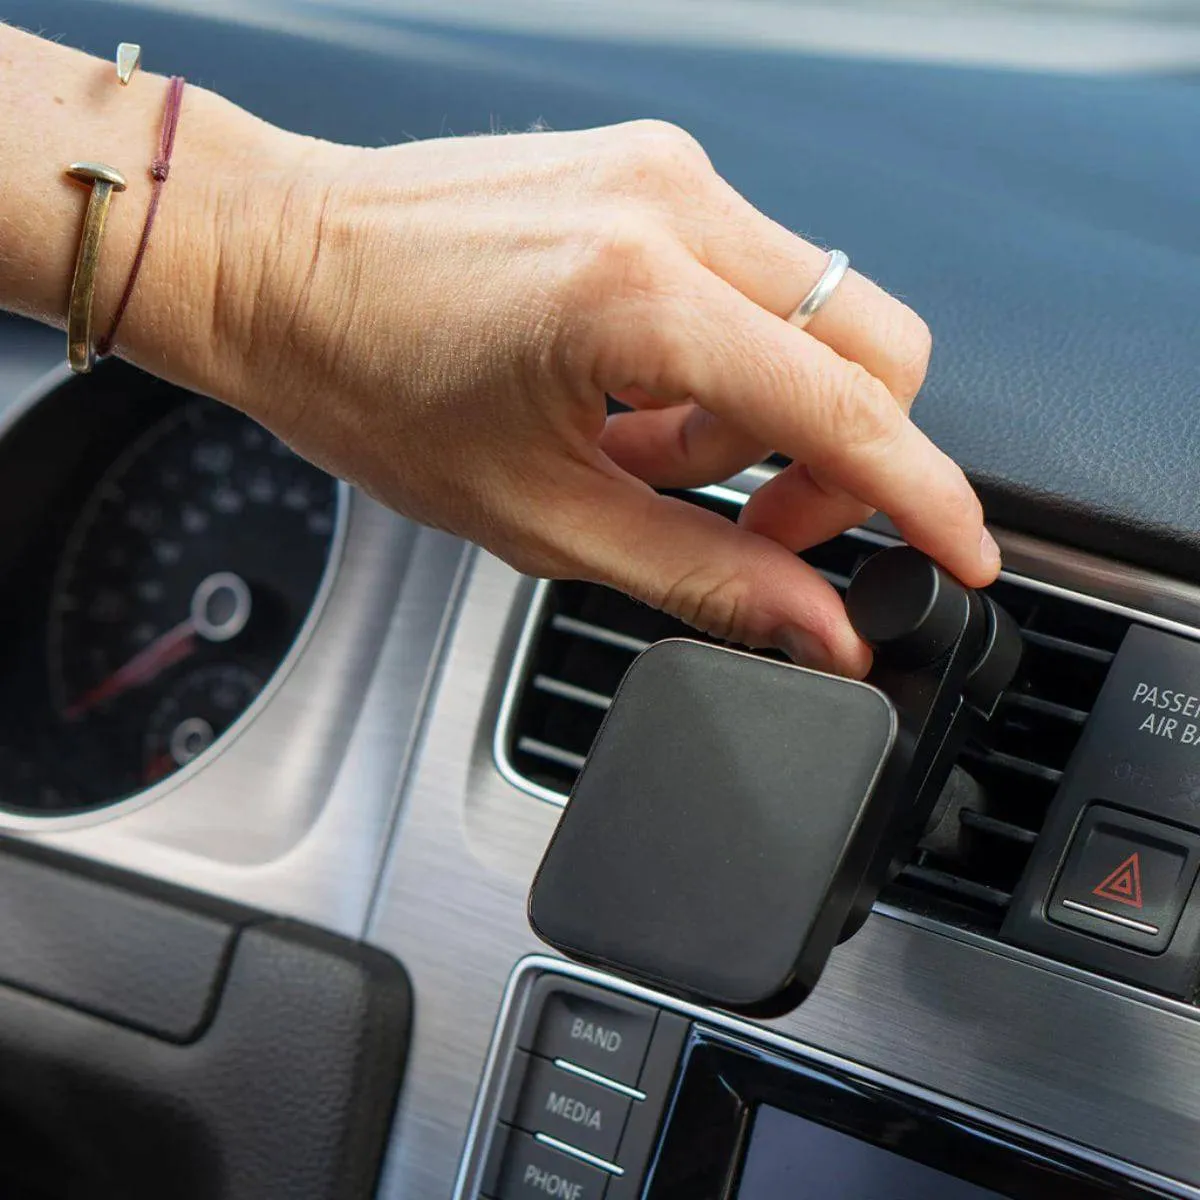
{"type": "Point", "coordinates": [160, 168]}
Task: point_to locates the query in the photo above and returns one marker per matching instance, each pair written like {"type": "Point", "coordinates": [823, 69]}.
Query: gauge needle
{"type": "Point", "coordinates": [220, 608]}
{"type": "Point", "coordinates": [173, 646]}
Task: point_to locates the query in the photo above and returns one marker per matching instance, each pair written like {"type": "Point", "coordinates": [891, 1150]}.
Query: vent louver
{"type": "Point", "coordinates": [582, 638]}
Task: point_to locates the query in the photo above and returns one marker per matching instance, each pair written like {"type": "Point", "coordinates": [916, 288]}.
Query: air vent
{"type": "Point", "coordinates": [580, 639]}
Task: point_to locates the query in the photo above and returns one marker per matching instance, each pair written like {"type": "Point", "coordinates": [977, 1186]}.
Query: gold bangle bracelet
{"type": "Point", "coordinates": [104, 181]}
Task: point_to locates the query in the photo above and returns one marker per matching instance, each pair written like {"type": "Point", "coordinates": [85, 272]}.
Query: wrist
{"type": "Point", "coordinates": [194, 297]}
{"type": "Point", "coordinates": [192, 314]}
{"type": "Point", "coordinates": [264, 215]}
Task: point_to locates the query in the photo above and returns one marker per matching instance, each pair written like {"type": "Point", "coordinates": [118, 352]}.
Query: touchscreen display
{"type": "Point", "coordinates": [790, 1158]}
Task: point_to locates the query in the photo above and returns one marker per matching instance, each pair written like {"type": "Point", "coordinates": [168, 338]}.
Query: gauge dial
{"type": "Point", "coordinates": [192, 714]}
{"type": "Point", "coordinates": [182, 585]}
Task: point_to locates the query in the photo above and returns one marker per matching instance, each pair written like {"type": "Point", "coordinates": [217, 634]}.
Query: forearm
{"type": "Point", "coordinates": [190, 305]}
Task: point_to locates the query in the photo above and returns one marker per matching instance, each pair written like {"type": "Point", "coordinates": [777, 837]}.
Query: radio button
{"type": "Point", "coordinates": [573, 1110]}
{"type": "Point", "coordinates": [533, 1171]}
{"type": "Point", "coordinates": [610, 1039]}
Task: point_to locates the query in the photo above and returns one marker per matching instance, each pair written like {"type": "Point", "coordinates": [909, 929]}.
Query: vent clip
{"type": "Point", "coordinates": [737, 816]}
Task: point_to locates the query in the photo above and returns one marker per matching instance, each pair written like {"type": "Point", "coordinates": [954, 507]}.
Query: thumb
{"type": "Point", "coordinates": [731, 583]}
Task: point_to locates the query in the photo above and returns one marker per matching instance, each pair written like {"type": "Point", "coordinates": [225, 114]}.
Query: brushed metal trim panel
{"type": "Point", "coordinates": [1051, 1047]}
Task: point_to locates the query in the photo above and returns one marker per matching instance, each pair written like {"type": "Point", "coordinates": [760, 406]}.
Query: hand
{"type": "Point", "coordinates": [439, 322]}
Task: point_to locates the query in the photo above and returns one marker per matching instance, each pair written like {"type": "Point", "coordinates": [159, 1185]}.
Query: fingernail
{"type": "Point", "coordinates": [803, 648]}
{"type": "Point", "coordinates": [989, 550]}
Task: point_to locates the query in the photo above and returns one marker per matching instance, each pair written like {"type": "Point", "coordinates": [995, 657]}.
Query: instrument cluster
{"type": "Point", "coordinates": [160, 557]}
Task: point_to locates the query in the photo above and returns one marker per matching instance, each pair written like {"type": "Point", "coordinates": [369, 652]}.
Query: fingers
{"type": "Point", "coordinates": [794, 510]}
{"type": "Point", "coordinates": [776, 269]}
{"type": "Point", "coordinates": [662, 170]}
{"type": "Point", "coordinates": [679, 447]}
{"type": "Point", "coordinates": [793, 393]}
{"type": "Point", "coordinates": [705, 570]}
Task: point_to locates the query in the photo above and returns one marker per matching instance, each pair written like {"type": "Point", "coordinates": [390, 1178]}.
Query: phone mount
{"type": "Point", "coordinates": [737, 817]}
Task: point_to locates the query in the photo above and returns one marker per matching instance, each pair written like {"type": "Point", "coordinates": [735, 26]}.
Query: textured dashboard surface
{"type": "Point", "coordinates": [1045, 225]}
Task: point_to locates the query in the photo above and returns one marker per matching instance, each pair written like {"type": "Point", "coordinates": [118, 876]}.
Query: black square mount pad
{"type": "Point", "coordinates": [716, 838]}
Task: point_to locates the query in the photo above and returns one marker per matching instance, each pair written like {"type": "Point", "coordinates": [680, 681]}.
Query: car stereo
{"type": "Point", "coordinates": [597, 1089]}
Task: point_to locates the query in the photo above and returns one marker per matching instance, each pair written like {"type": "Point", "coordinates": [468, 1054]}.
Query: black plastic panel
{"type": "Point", "coordinates": [286, 1089]}
{"type": "Point", "coordinates": [133, 957]}
{"type": "Point", "coordinates": [565, 1122]}
{"type": "Point", "coordinates": [1139, 754]}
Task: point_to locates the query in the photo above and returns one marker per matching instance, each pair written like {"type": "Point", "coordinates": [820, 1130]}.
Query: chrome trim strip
{"type": "Point", "coordinates": [1140, 926]}
{"type": "Point", "coordinates": [603, 1080]}
{"type": "Point", "coordinates": [27, 822]}
{"type": "Point", "coordinates": [508, 702]}
{"type": "Point", "coordinates": [477, 1144]}
{"type": "Point", "coordinates": [575, 1152]}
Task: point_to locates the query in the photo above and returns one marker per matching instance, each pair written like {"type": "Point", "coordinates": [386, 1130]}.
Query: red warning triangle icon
{"type": "Point", "coordinates": [1124, 885]}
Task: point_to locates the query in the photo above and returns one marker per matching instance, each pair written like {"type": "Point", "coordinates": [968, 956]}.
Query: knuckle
{"type": "Point", "coordinates": [664, 139]}
{"type": "Point", "coordinates": [861, 415]}
{"type": "Point", "coordinates": [714, 604]}
{"type": "Point", "coordinates": [612, 270]}
{"type": "Point", "coordinates": [661, 156]}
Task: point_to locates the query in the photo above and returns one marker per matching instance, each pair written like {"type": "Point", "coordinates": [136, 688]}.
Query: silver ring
{"type": "Point", "coordinates": [835, 271]}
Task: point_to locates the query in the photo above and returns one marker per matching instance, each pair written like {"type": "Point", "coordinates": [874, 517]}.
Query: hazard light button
{"type": "Point", "coordinates": [1126, 879]}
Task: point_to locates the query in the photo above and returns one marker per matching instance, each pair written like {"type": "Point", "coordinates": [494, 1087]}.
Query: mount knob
{"type": "Point", "coordinates": [907, 608]}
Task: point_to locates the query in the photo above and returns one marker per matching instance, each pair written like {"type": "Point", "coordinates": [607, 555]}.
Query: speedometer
{"type": "Point", "coordinates": [181, 587]}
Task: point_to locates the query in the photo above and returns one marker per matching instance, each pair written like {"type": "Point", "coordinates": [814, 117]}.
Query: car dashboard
{"type": "Point", "coordinates": [391, 767]}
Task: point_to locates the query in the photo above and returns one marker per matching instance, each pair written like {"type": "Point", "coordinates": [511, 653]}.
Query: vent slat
{"type": "Point", "coordinates": [597, 633]}
{"type": "Point", "coordinates": [945, 881]}
{"type": "Point", "coordinates": [569, 691]}
{"type": "Point", "coordinates": [997, 828]}
{"type": "Point", "coordinates": [1022, 766]}
{"type": "Point", "coordinates": [1048, 641]}
{"type": "Point", "coordinates": [588, 636]}
{"type": "Point", "coordinates": [1076, 716]}
{"type": "Point", "coordinates": [553, 754]}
